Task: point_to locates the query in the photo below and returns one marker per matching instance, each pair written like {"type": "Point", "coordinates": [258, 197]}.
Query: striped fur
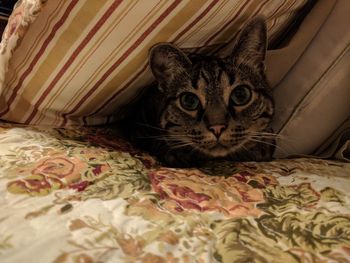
{"type": "Point", "coordinates": [190, 116]}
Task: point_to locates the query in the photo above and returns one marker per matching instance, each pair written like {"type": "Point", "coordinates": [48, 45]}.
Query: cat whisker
{"type": "Point", "coordinates": [182, 145]}
{"type": "Point", "coordinates": [148, 137]}
{"type": "Point", "coordinates": [160, 137]}
{"type": "Point", "coordinates": [267, 143]}
{"type": "Point", "coordinates": [264, 133]}
{"type": "Point", "coordinates": [150, 126]}
{"type": "Point", "coordinates": [175, 139]}
{"type": "Point", "coordinates": [269, 136]}
{"type": "Point", "coordinates": [262, 137]}
{"type": "Point", "coordinates": [166, 137]}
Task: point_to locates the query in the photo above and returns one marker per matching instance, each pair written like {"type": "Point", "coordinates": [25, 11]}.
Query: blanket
{"type": "Point", "coordinates": [86, 195]}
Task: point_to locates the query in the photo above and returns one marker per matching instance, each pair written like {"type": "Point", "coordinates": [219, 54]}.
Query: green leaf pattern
{"type": "Point", "coordinates": [106, 201]}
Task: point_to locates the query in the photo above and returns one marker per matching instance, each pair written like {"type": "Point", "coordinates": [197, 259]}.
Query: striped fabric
{"type": "Point", "coordinates": [82, 61]}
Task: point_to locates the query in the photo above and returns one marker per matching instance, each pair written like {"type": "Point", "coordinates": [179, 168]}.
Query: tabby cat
{"type": "Point", "coordinates": [205, 108]}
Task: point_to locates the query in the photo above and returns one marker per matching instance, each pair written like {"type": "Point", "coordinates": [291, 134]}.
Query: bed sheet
{"type": "Point", "coordinates": [85, 195]}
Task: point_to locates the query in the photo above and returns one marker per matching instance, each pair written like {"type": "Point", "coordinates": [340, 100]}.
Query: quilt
{"type": "Point", "coordinates": [86, 195]}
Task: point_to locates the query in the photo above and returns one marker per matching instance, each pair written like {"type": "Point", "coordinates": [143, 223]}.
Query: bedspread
{"type": "Point", "coordinates": [85, 195]}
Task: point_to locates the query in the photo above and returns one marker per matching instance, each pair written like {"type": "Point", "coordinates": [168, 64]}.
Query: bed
{"type": "Point", "coordinates": [88, 196]}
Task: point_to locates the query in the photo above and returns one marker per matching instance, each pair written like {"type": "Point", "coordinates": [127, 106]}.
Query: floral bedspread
{"type": "Point", "coordinates": [85, 195]}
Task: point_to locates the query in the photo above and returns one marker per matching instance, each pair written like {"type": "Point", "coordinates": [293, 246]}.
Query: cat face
{"type": "Point", "coordinates": [216, 106]}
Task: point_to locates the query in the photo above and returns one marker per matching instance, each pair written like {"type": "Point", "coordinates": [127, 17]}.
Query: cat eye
{"type": "Point", "coordinates": [189, 101]}
{"type": "Point", "coordinates": [241, 95]}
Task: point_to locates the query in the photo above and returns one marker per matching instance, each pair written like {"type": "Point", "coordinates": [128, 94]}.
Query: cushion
{"type": "Point", "coordinates": [81, 61]}
{"type": "Point", "coordinates": [312, 98]}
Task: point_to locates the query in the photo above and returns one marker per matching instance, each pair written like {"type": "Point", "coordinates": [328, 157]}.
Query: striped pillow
{"type": "Point", "coordinates": [81, 61]}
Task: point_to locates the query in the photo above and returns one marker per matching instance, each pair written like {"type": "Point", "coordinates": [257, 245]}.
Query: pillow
{"type": "Point", "coordinates": [312, 100]}
{"type": "Point", "coordinates": [82, 61]}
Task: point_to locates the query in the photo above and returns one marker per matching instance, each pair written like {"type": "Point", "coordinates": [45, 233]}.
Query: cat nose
{"type": "Point", "coordinates": [217, 129]}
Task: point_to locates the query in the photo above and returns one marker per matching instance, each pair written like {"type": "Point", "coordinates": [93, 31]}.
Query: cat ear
{"type": "Point", "coordinates": [167, 63]}
{"type": "Point", "coordinates": [251, 44]}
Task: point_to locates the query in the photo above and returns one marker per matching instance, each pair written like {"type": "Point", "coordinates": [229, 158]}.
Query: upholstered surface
{"type": "Point", "coordinates": [88, 196]}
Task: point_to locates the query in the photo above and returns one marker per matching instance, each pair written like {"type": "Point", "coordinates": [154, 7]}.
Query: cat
{"type": "Point", "coordinates": [205, 108]}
